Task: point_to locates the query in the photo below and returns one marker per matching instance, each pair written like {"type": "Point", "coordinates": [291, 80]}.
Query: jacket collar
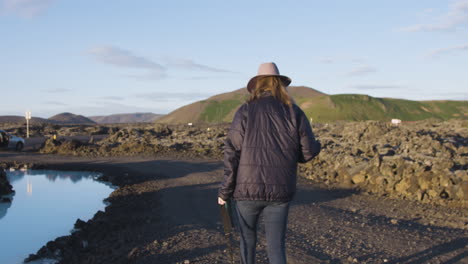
{"type": "Point", "coordinates": [266, 93]}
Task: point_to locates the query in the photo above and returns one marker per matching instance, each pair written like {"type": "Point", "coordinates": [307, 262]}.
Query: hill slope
{"type": "Point", "coordinates": [222, 107]}
{"type": "Point", "coordinates": [69, 118]}
{"type": "Point", "coordinates": [357, 107]}
{"type": "Point", "coordinates": [323, 108]}
{"type": "Point", "coordinates": [126, 118]}
{"type": "Point", "coordinates": [21, 119]}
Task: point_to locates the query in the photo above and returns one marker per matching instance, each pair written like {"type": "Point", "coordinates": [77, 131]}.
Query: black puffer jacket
{"type": "Point", "coordinates": [265, 142]}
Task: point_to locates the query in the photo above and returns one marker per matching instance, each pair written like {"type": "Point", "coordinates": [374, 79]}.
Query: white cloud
{"type": "Point", "coordinates": [123, 58]}
{"type": "Point", "coordinates": [438, 52]}
{"type": "Point", "coordinates": [126, 59]}
{"type": "Point", "coordinates": [25, 8]}
{"type": "Point", "coordinates": [191, 65]}
{"type": "Point", "coordinates": [361, 70]}
{"type": "Point", "coordinates": [456, 15]}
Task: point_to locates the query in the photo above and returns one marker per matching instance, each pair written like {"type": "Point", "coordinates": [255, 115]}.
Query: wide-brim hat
{"type": "Point", "coordinates": [266, 70]}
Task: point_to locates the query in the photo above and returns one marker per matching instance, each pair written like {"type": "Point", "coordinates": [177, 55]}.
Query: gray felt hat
{"type": "Point", "coordinates": [265, 70]}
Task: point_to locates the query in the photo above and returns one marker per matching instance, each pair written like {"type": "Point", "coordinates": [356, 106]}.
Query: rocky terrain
{"type": "Point", "coordinates": [165, 211]}
{"type": "Point", "coordinates": [5, 186]}
{"type": "Point", "coordinates": [377, 193]}
{"type": "Point", "coordinates": [61, 130]}
{"type": "Point", "coordinates": [176, 140]}
{"type": "Point", "coordinates": [421, 161]}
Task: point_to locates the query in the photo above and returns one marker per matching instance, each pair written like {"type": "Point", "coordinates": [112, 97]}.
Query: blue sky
{"type": "Point", "coordinates": [105, 57]}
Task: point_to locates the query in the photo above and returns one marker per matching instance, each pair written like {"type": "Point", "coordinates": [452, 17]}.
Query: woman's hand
{"type": "Point", "coordinates": [221, 201]}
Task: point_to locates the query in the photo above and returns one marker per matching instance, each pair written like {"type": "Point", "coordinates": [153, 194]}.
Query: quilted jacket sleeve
{"type": "Point", "coordinates": [309, 146]}
{"type": "Point", "coordinates": [232, 151]}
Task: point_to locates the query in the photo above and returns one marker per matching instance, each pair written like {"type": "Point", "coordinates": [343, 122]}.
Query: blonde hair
{"type": "Point", "coordinates": [273, 84]}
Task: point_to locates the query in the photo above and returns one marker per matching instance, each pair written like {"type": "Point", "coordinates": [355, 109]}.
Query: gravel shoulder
{"type": "Point", "coordinates": [165, 211]}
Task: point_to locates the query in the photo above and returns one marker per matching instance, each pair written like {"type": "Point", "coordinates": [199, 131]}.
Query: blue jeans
{"type": "Point", "coordinates": [275, 216]}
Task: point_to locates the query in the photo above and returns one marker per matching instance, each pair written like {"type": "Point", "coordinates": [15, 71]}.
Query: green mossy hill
{"type": "Point", "coordinates": [222, 107]}
{"type": "Point", "coordinates": [356, 107]}
{"type": "Point", "coordinates": [216, 111]}
{"type": "Point", "coordinates": [324, 108]}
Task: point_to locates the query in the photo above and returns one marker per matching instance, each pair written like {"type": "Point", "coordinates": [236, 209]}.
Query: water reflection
{"type": "Point", "coordinates": [29, 187]}
{"type": "Point", "coordinates": [51, 175]}
{"type": "Point", "coordinates": [45, 205]}
{"type": "Point", "coordinates": [4, 208]}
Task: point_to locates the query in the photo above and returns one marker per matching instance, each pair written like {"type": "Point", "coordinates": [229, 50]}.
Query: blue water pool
{"type": "Point", "coordinates": [45, 206]}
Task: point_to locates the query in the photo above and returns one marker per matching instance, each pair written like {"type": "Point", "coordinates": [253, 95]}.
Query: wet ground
{"type": "Point", "coordinates": [165, 211]}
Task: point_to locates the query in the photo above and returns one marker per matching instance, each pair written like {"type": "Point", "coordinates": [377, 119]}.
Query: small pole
{"type": "Point", "coordinates": [28, 116]}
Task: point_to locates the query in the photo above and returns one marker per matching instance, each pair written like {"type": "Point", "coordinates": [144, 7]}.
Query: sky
{"type": "Point", "coordinates": [115, 56]}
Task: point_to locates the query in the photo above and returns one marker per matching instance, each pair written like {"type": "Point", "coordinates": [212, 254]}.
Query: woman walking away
{"type": "Point", "coordinates": [267, 138]}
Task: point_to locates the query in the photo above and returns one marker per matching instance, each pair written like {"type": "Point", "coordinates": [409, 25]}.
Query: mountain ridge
{"type": "Point", "coordinates": [222, 107]}
{"type": "Point", "coordinates": [70, 118]}
{"type": "Point", "coordinates": [146, 117]}
{"type": "Point", "coordinates": [318, 106]}
{"type": "Point", "coordinates": [321, 107]}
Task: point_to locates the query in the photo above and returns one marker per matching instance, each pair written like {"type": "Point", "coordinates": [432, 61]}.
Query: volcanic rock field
{"type": "Point", "coordinates": [423, 161]}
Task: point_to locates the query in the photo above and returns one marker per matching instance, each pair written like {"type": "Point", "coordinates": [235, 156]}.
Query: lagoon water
{"type": "Point", "coordinates": [46, 204]}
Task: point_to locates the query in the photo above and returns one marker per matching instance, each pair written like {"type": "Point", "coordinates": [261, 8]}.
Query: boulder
{"type": "Point", "coordinates": [5, 186]}
{"type": "Point", "coordinates": [423, 161]}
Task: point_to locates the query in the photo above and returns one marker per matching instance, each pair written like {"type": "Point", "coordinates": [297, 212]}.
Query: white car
{"type": "Point", "coordinates": [9, 141]}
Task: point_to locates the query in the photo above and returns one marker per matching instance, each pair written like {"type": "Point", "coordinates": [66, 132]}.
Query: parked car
{"type": "Point", "coordinates": [9, 141]}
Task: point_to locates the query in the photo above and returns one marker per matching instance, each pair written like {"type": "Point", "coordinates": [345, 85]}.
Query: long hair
{"type": "Point", "coordinates": [274, 85]}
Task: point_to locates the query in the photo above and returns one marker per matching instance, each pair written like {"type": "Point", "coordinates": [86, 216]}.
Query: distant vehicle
{"type": "Point", "coordinates": [9, 141]}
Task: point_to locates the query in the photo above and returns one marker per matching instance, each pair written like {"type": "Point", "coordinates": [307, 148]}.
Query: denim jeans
{"type": "Point", "coordinates": [275, 217]}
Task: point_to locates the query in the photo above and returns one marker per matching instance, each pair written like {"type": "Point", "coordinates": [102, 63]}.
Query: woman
{"type": "Point", "coordinates": [267, 138]}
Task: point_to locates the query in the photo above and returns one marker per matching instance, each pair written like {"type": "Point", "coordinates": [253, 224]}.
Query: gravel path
{"type": "Point", "coordinates": [165, 211]}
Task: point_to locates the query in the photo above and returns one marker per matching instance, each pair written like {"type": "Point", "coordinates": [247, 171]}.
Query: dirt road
{"type": "Point", "coordinates": [165, 211]}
